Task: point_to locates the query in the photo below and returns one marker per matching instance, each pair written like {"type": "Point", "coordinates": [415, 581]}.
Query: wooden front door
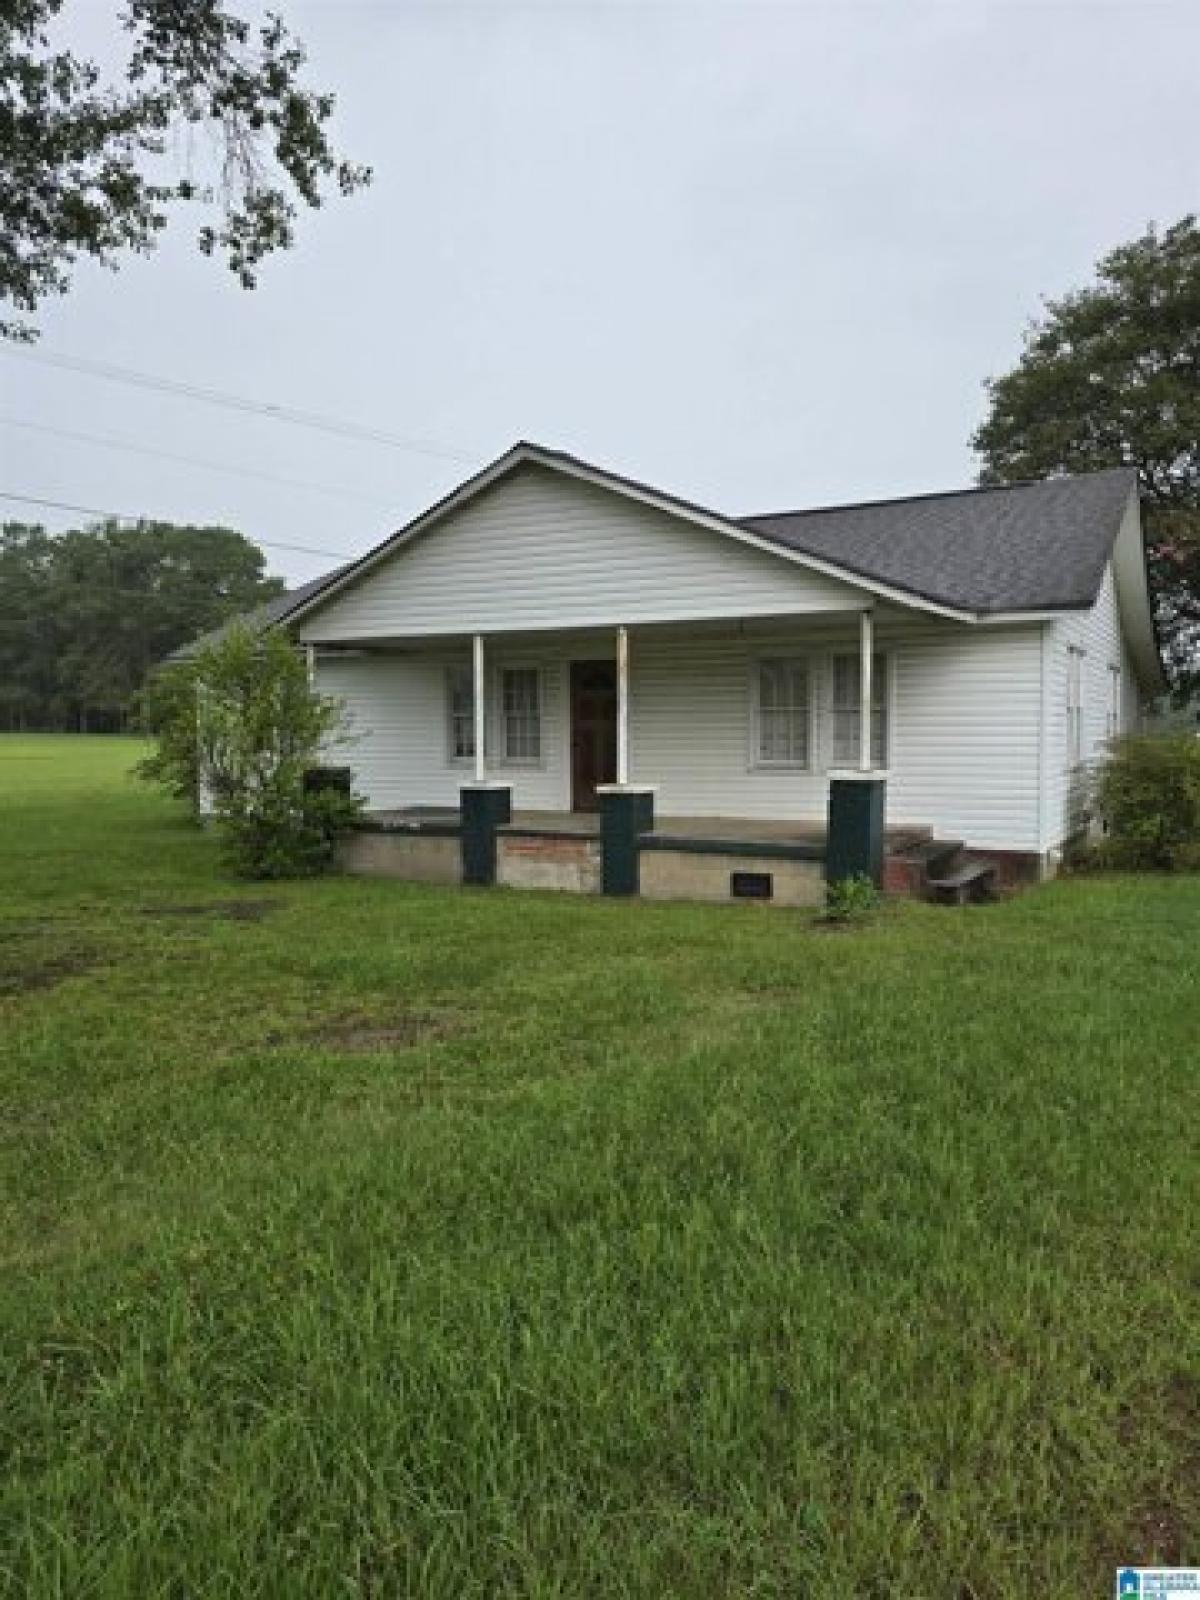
{"type": "Point", "coordinates": [593, 730]}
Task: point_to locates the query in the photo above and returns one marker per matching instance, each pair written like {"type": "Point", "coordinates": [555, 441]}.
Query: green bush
{"type": "Point", "coordinates": [851, 899]}
{"type": "Point", "coordinates": [1148, 797]}
{"type": "Point", "coordinates": [166, 710]}
{"type": "Point", "coordinates": [282, 833]}
{"type": "Point", "coordinates": [243, 723]}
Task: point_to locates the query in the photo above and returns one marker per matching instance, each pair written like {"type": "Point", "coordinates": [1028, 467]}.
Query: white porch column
{"type": "Point", "coordinates": [622, 705]}
{"type": "Point", "coordinates": [479, 706]}
{"type": "Point", "coordinates": [310, 664]}
{"type": "Point", "coordinates": [866, 646]}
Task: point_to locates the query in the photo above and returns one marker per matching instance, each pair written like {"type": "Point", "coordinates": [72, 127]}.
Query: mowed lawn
{"type": "Point", "coordinates": [367, 1239]}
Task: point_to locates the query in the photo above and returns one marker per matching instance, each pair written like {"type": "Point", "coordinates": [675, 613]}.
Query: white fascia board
{"type": "Point", "coordinates": [522, 453]}
{"type": "Point", "coordinates": [994, 619]}
{"type": "Point", "coordinates": [1133, 599]}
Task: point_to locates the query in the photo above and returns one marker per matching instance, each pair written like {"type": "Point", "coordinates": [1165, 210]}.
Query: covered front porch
{"type": "Point", "coordinates": [590, 760]}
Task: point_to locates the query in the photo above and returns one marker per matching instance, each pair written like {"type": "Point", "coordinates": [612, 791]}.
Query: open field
{"type": "Point", "coordinates": [366, 1239]}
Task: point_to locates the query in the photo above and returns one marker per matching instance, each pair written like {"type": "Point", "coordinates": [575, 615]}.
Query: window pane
{"type": "Point", "coordinates": [783, 712]}
{"type": "Point", "coordinates": [521, 700]}
{"type": "Point", "coordinates": [460, 703]}
{"type": "Point", "coordinates": [845, 682]}
{"type": "Point", "coordinates": [847, 709]}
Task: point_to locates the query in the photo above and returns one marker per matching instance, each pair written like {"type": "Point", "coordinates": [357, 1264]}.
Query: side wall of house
{"type": "Point", "coordinates": [1097, 636]}
{"type": "Point", "coordinates": [964, 718]}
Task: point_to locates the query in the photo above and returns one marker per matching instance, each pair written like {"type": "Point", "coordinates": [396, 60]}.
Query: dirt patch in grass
{"type": "Point", "coordinates": [366, 1036]}
{"type": "Point", "coordinates": [26, 972]}
{"type": "Point", "coordinates": [1163, 1523]}
{"type": "Point", "coordinates": [225, 910]}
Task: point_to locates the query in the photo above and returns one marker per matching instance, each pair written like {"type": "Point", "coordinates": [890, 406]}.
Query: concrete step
{"type": "Point", "coordinates": [907, 871]}
{"type": "Point", "coordinates": [971, 878]}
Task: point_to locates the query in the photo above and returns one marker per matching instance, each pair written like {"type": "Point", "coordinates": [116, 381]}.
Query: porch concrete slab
{"type": "Point", "coordinates": [411, 819]}
{"type": "Point", "coordinates": [586, 824]}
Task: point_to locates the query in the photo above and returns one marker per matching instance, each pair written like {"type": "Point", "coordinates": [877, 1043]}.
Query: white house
{"type": "Point", "coordinates": [562, 632]}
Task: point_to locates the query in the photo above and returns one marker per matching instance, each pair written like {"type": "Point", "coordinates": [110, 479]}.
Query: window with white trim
{"type": "Point", "coordinates": [1074, 705]}
{"type": "Point", "coordinates": [784, 714]}
{"type": "Point", "coordinates": [1113, 724]}
{"type": "Point", "coordinates": [847, 710]}
{"type": "Point", "coordinates": [521, 713]}
{"type": "Point", "coordinates": [460, 713]}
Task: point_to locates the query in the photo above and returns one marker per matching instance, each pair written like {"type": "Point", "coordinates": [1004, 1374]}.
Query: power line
{"type": "Point", "coordinates": [192, 461]}
{"type": "Point", "coordinates": [140, 516]}
{"type": "Point", "coordinates": [233, 402]}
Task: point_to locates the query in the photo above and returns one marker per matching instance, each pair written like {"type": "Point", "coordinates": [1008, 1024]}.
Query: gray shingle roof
{"type": "Point", "coordinates": [1020, 547]}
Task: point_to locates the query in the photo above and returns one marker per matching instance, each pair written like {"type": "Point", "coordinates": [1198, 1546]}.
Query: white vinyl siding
{"type": "Point", "coordinates": [847, 710]}
{"type": "Point", "coordinates": [965, 734]}
{"type": "Point", "coordinates": [783, 713]}
{"type": "Point", "coordinates": [542, 551]}
{"type": "Point", "coordinates": [1077, 729]}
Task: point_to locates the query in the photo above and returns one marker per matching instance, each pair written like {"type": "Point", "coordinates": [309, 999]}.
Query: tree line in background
{"type": "Point", "coordinates": [86, 615]}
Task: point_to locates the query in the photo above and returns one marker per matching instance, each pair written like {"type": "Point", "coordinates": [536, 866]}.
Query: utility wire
{"type": "Point", "coordinates": [140, 516]}
{"type": "Point", "coordinates": [192, 461]}
{"type": "Point", "coordinates": [233, 402]}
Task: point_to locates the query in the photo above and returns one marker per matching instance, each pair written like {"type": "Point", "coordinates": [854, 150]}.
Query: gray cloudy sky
{"type": "Point", "coordinates": [761, 255]}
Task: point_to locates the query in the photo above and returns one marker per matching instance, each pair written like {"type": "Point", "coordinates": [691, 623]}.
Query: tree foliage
{"type": "Point", "coordinates": [242, 724]}
{"type": "Point", "coordinates": [85, 615]}
{"type": "Point", "coordinates": [86, 165]}
{"type": "Point", "coordinates": [1110, 376]}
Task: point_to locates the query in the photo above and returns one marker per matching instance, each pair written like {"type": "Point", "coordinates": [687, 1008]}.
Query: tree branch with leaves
{"type": "Point", "coordinates": [85, 165]}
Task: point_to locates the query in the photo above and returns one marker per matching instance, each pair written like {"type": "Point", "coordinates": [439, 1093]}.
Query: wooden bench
{"type": "Point", "coordinates": [974, 880]}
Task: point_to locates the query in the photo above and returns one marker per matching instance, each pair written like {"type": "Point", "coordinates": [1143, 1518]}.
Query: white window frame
{"type": "Point", "coordinates": [1074, 704]}
{"type": "Point", "coordinates": [1116, 697]}
{"type": "Point", "coordinates": [538, 671]}
{"type": "Point", "coordinates": [881, 709]}
{"type": "Point", "coordinates": [790, 659]}
{"type": "Point", "coordinates": [459, 670]}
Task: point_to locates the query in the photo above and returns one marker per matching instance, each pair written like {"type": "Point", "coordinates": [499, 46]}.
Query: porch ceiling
{"type": "Point", "coordinates": [806, 624]}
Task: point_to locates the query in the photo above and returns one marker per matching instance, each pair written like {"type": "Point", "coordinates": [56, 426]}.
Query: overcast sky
{"type": "Point", "coordinates": [760, 255]}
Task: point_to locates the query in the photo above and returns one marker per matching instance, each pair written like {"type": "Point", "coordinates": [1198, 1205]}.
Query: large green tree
{"type": "Point", "coordinates": [1110, 375]}
{"type": "Point", "coordinates": [88, 167]}
{"type": "Point", "coordinates": [85, 615]}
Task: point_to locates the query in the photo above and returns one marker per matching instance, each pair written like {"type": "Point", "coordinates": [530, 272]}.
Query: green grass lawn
{"type": "Point", "coordinates": [371, 1239]}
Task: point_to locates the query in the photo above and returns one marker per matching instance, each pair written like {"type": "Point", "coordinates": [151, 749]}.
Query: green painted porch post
{"type": "Point", "coordinates": [626, 812]}
{"type": "Point", "coordinates": [854, 840]}
{"type": "Point", "coordinates": [483, 807]}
